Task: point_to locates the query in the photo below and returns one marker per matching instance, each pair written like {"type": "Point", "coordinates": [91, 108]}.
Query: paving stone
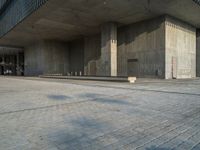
{"type": "Point", "coordinates": [77, 115]}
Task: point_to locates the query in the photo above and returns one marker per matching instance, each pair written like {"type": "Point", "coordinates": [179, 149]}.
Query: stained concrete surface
{"type": "Point", "coordinates": [62, 114]}
{"type": "Point", "coordinates": [198, 53]}
{"type": "Point", "coordinates": [66, 20]}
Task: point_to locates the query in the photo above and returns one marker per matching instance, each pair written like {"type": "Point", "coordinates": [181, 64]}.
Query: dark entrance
{"type": "Point", "coordinates": [133, 67]}
{"type": "Point", "coordinates": [1, 70]}
{"type": "Point", "coordinates": [12, 64]}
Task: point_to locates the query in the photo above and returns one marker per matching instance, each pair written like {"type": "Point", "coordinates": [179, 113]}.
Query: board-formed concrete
{"type": "Point", "coordinates": [43, 114]}
{"type": "Point", "coordinates": [180, 52]}
{"type": "Point", "coordinates": [108, 58]}
{"type": "Point", "coordinates": [141, 49]}
{"type": "Point", "coordinates": [198, 53]}
{"type": "Point", "coordinates": [92, 54]}
{"type": "Point", "coordinates": [163, 47]}
{"type": "Point", "coordinates": [141, 38]}
{"type": "Point", "coordinates": [47, 57]}
{"type": "Point", "coordinates": [76, 57]}
{"type": "Point", "coordinates": [69, 19]}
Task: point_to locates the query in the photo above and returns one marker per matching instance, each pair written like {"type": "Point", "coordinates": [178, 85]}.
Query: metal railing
{"type": "Point", "coordinates": [13, 12]}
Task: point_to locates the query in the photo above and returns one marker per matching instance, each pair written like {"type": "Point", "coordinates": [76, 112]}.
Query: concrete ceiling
{"type": "Point", "coordinates": [10, 50]}
{"type": "Point", "coordinates": [70, 19]}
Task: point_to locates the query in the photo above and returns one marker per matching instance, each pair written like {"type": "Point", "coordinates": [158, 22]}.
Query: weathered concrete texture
{"type": "Point", "coordinates": [141, 49]}
{"type": "Point", "coordinates": [180, 49]}
{"type": "Point", "coordinates": [109, 50]}
{"type": "Point", "coordinates": [198, 53]}
{"type": "Point", "coordinates": [92, 54]}
{"type": "Point", "coordinates": [76, 57]}
{"type": "Point", "coordinates": [46, 57]}
{"type": "Point", "coordinates": [163, 47]}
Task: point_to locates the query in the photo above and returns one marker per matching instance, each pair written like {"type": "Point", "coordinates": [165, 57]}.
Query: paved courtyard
{"type": "Point", "coordinates": [44, 114]}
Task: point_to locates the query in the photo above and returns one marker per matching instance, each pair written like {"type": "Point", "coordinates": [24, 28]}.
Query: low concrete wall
{"type": "Point", "coordinates": [46, 57]}
{"type": "Point", "coordinates": [180, 49]}
{"type": "Point", "coordinates": [141, 49]}
{"type": "Point", "coordinates": [198, 52]}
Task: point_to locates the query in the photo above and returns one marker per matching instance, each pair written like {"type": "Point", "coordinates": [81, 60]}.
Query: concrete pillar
{"type": "Point", "coordinates": [198, 53]}
{"type": "Point", "coordinates": [18, 66]}
{"type": "Point", "coordinates": [109, 49]}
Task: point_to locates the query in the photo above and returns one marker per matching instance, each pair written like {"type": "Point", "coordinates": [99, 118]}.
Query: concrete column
{"type": "Point", "coordinates": [198, 53]}
{"type": "Point", "coordinates": [109, 49]}
{"type": "Point", "coordinates": [18, 66]}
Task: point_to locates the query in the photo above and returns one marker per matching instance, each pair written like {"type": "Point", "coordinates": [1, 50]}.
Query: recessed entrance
{"type": "Point", "coordinates": [11, 61]}
{"type": "Point", "coordinates": [133, 67]}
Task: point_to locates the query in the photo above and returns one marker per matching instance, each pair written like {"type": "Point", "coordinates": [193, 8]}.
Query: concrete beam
{"type": "Point", "coordinates": [109, 49]}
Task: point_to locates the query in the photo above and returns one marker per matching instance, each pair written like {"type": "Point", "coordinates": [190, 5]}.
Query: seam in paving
{"type": "Point", "coordinates": [64, 104]}
{"type": "Point", "coordinates": [133, 89]}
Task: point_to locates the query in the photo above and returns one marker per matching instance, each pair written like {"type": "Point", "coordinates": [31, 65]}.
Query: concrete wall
{"type": "Point", "coordinates": [141, 49]}
{"type": "Point", "coordinates": [46, 57]}
{"type": "Point", "coordinates": [160, 48]}
{"type": "Point", "coordinates": [76, 54]}
{"type": "Point", "coordinates": [92, 54]}
{"type": "Point", "coordinates": [198, 53]}
{"type": "Point", "coordinates": [180, 49]}
{"type": "Point", "coordinates": [108, 57]}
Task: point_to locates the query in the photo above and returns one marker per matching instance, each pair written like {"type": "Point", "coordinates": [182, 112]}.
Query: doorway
{"type": "Point", "coordinates": [133, 67]}
{"type": "Point", "coordinates": [1, 70]}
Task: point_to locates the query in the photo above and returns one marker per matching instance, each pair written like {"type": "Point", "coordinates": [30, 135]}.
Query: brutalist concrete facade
{"type": "Point", "coordinates": [180, 52]}
{"type": "Point", "coordinates": [163, 47]}
{"type": "Point", "coordinates": [141, 49]}
{"type": "Point", "coordinates": [73, 38]}
{"type": "Point", "coordinates": [198, 53]}
{"type": "Point", "coordinates": [46, 57]}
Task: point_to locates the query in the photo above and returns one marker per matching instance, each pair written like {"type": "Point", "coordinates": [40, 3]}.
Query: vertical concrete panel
{"type": "Point", "coordinates": [92, 53]}
{"type": "Point", "coordinates": [198, 53]}
{"type": "Point", "coordinates": [141, 49]}
{"type": "Point", "coordinates": [109, 50]}
{"type": "Point", "coordinates": [77, 57]}
{"type": "Point", "coordinates": [46, 57]}
{"type": "Point", "coordinates": [180, 49]}
{"type": "Point", "coordinates": [33, 58]}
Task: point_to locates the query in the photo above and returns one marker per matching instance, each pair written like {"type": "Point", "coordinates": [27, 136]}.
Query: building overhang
{"type": "Point", "coordinates": [7, 50]}
{"type": "Point", "coordinates": [67, 20]}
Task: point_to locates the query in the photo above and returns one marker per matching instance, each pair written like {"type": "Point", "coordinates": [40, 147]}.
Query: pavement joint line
{"type": "Point", "coordinates": [181, 125]}
{"type": "Point", "coordinates": [173, 148]}
{"type": "Point", "coordinates": [64, 104]}
{"type": "Point", "coordinates": [182, 132]}
{"type": "Point", "coordinates": [195, 145]}
{"type": "Point", "coordinates": [161, 136]}
{"type": "Point", "coordinates": [139, 89]}
{"type": "Point", "coordinates": [153, 126]}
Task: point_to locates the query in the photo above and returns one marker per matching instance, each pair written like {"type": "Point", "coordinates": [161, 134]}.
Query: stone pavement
{"type": "Point", "coordinates": [38, 114]}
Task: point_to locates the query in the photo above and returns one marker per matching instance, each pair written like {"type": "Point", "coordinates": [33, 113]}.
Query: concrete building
{"type": "Point", "coordinates": [198, 52]}
{"type": "Point", "coordinates": [142, 38]}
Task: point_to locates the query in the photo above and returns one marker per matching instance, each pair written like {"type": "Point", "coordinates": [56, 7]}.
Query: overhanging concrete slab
{"type": "Point", "coordinates": [67, 20]}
